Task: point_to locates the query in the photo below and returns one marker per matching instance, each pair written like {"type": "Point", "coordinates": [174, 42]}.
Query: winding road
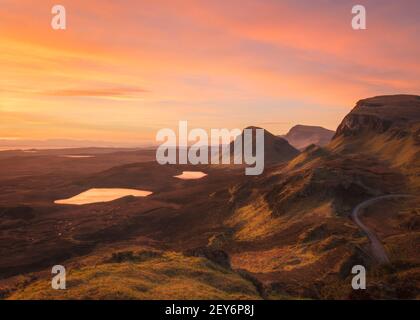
{"type": "Point", "coordinates": [378, 250]}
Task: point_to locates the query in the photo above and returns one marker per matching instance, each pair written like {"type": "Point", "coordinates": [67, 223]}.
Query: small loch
{"type": "Point", "coordinates": [96, 195]}
{"type": "Point", "coordinates": [191, 175]}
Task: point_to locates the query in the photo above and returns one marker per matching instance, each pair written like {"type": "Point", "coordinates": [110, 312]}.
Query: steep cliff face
{"type": "Point", "coordinates": [386, 128]}
{"type": "Point", "coordinates": [381, 114]}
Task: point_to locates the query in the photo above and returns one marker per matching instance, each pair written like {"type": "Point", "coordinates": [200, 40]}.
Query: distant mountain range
{"type": "Point", "coordinates": [301, 136]}
{"type": "Point", "coordinates": [9, 144]}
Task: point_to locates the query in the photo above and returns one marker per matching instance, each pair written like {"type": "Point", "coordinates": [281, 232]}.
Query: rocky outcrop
{"type": "Point", "coordinates": [381, 114]}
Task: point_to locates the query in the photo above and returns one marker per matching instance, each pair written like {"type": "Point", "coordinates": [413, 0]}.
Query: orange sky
{"type": "Point", "coordinates": [124, 69]}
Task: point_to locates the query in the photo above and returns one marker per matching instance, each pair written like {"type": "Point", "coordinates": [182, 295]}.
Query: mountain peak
{"type": "Point", "coordinates": [276, 149]}
{"type": "Point", "coordinates": [301, 136]}
{"type": "Point", "coordinates": [379, 114]}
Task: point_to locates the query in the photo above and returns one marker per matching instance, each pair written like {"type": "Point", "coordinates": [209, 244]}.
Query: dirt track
{"type": "Point", "coordinates": [378, 249]}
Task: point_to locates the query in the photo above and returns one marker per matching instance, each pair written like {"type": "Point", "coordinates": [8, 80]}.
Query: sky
{"type": "Point", "coordinates": [122, 70]}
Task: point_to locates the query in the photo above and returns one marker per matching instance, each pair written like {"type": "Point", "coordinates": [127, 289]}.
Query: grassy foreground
{"type": "Point", "coordinates": [146, 275]}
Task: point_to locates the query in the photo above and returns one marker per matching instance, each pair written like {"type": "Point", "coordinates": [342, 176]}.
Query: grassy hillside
{"type": "Point", "coordinates": [146, 275]}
